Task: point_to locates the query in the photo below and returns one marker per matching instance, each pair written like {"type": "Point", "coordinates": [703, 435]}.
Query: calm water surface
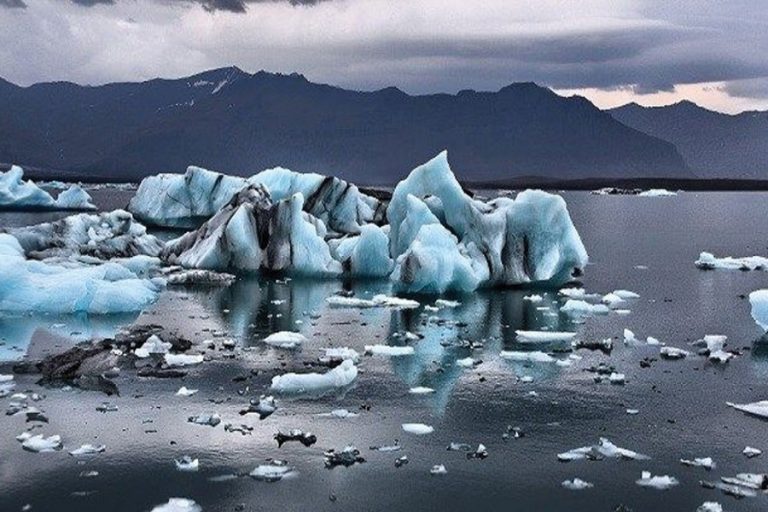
{"type": "Point", "coordinates": [647, 245]}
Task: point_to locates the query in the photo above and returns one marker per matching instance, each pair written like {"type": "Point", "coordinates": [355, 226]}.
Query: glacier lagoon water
{"type": "Point", "coordinates": [646, 245]}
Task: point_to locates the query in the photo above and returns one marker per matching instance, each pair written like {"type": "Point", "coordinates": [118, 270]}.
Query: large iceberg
{"type": "Point", "coordinates": [103, 236]}
{"type": "Point", "coordinates": [187, 200]}
{"type": "Point", "coordinates": [15, 193]}
{"type": "Point", "coordinates": [438, 239]}
{"type": "Point", "coordinates": [43, 287]}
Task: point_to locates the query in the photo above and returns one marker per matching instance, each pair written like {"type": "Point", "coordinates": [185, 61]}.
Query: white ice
{"type": "Point", "coordinates": [178, 505]}
{"type": "Point", "coordinates": [759, 409]}
{"type": "Point", "coordinates": [285, 339]}
{"type": "Point", "coordinates": [153, 345]}
{"type": "Point", "coordinates": [418, 429]}
{"type": "Point", "coordinates": [708, 261]}
{"type": "Point", "coordinates": [543, 336]}
{"type": "Point", "coordinates": [661, 483]}
{"type": "Point", "coordinates": [577, 484]}
{"type": "Point", "coordinates": [759, 301]}
{"type": "Point", "coordinates": [341, 376]}
{"type": "Point", "coordinates": [15, 192]}
{"type": "Point", "coordinates": [531, 357]}
{"type": "Point", "coordinates": [389, 350]}
{"type": "Point", "coordinates": [657, 192]}
{"type": "Point", "coordinates": [183, 359]}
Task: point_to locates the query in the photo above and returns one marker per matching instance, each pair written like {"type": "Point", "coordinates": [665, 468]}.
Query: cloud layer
{"type": "Point", "coordinates": [639, 48]}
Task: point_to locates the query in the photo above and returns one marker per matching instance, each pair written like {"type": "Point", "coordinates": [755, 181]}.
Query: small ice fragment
{"type": "Point", "coordinates": [626, 294]}
{"type": "Point", "coordinates": [346, 457]}
{"type": "Point", "coordinates": [533, 298]}
{"type": "Point", "coordinates": [273, 472]}
{"type": "Point", "coordinates": [401, 461]}
{"type": "Point", "coordinates": [210, 420]}
{"type": "Point", "coordinates": [612, 300]}
{"type": "Point", "coordinates": [420, 390]}
{"type": "Point", "coordinates": [672, 353]}
{"type": "Point", "coordinates": [285, 339]}
{"type": "Point", "coordinates": [750, 452]}
{"type": "Point", "coordinates": [178, 505]}
{"type": "Point", "coordinates": [580, 308]}
{"type": "Point", "coordinates": [458, 447]}
{"type": "Point", "coordinates": [617, 378]}
{"type": "Point", "coordinates": [661, 483]}
{"type": "Point", "coordinates": [418, 429]}
{"type": "Point", "coordinates": [264, 407]}
{"type": "Point", "coordinates": [339, 354]}
{"type": "Point", "coordinates": [438, 469]}
{"type": "Point", "coordinates": [543, 336]}
{"type": "Point", "coordinates": [183, 359]}
{"type": "Point", "coordinates": [187, 464]}
{"type": "Point", "coordinates": [339, 413]}
{"type": "Point", "coordinates": [759, 409]}
{"type": "Point", "coordinates": [339, 377]}
{"type": "Point", "coordinates": [39, 443]}
{"type": "Point", "coordinates": [704, 462]}
{"type": "Point", "coordinates": [480, 453]}
{"type": "Point", "coordinates": [185, 391]}
{"type": "Point", "coordinates": [531, 357]}
{"type": "Point", "coordinates": [577, 484]}
{"type": "Point", "coordinates": [153, 345]}
{"type": "Point", "coordinates": [88, 449]}
{"type": "Point", "coordinates": [710, 506]}
{"type": "Point", "coordinates": [443, 303]}
{"type": "Point", "coordinates": [633, 411]}
{"type": "Point", "coordinates": [466, 362]}
{"type": "Point", "coordinates": [389, 350]}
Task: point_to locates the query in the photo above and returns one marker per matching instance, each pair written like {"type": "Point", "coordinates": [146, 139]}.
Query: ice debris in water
{"type": "Point", "coordinates": [577, 484]}
{"type": "Point", "coordinates": [389, 350]}
{"type": "Point", "coordinates": [759, 301]}
{"type": "Point", "coordinates": [467, 362]}
{"type": "Point", "coordinates": [305, 438]}
{"type": "Point", "coordinates": [421, 390]}
{"type": "Point", "coordinates": [341, 376]}
{"type": "Point", "coordinates": [710, 506]}
{"type": "Point", "coordinates": [535, 356]}
{"type": "Point", "coordinates": [153, 345]}
{"type": "Point", "coordinates": [631, 339]}
{"type": "Point", "coordinates": [543, 336]}
{"type": "Point", "coordinates": [604, 449]}
{"type": "Point", "coordinates": [418, 429]}
{"type": "Point", "coordinates": [346, 457]}
{"type": "Point", "coordinates": [272, 472]}
{"type": "Point", "coordinates": [672, 353]}
{"type": "Point", "coordinates": [759, 409]}
{"type": "Point", "coordinates": [708, 261]}
{"type": "Point", "coordinates": [657, 192]}
{"type": "Point", "coordinates": [183, 359]}
{"type": "Point", "coordinates": [285, 339]}
{"type": "Point", "coordinates": [338, 354]}
{"type": "Point", "coordinates": [187, 464]}
{"type": "Point", "coordinates": [381, 300]}
{"type": "Point", "coordinates": [438, 469]}
{"type": "Point", "coordinates": [535, 298]}
{"type": "Point", "coordinates": [702, 462]}
{"type": "Point", "coordinates": [579, 308]}
{"type": "Point", "coordinates": [88, 449]}
{"type": "Point", "coordinates": [39, 443]}
{"type": "Point", "coordinates": [185, 391]}
{"type": "Point", "coordinates": [264, 407]}
{"type": "Point", "coordinates": [712, 346]}
{"type": "Point", "coordinates": [207, 419]}
{"type": "Point", "coordinates": [43, 287]}
{"type": "Point", "coordinates": [20, 194]}
{"type": "Point", "coordinates": [751, 452]}
{"type": "Point", "coordinates": [339, 413]}
{"type": "Point", "coordinates": [178, 505]}
{"type": "Point", "coordinates": [661, 483]}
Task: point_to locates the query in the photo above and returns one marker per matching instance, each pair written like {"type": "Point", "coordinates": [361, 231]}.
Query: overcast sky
{"type": "Point", "coordinates": [612, 51]}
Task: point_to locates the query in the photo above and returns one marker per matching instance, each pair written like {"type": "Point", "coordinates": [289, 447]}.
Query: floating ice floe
{"type": "Point", "coordinates": [43, 287]}
{"type": "Point", "coordinates": [39, 443]}
{"type": "Point", "coordinates": [380, 300]}
{"type": "Point", "coordinates": [467, 362]}
{"type": "Point", "coordinates": [631, 339]}
{"type": "Point", "coordinates": [16, 193]}
{"type": "Point", "coordinates": [265, 406]}
{"type": "Point", "coordinates": [530, 357]}
{"type": "Point", "coordinates": [759, 409]}
{"type": "Point", "coordinates": [710, 506]}
{"type": "Point", "coordinates": [543, 336]}
{"type": "Point", "coordinates": [187, 464]}
{"type": "Point", "coordinates": [445, 303]}
{"type": "Point", "coordinates": [421, 390]}
{"type": "Point", "coordinates": [207, 419]}
{"type": "Point", "coordinates": [712, 346]}
{"type": "Point", "coordinates": [750, 452]}
{"type": "Point", "coordinates": [625, 294]}
{"type": "Point", "coordinates": [577, 484]}
{"type": "Point", "coordinates": [389, 350]}
{"type": "Point", "coordinates": [657, 192]}
{"type": "Point", "coordinates": [708, 261]}
{"type": "Point", "coordinates": [185, 391]}
{"type": "Point", "coordinates": [178, 505]}
{"type": "Point", "coordinates": [341, 376]}
{"type": "Point", "coordinates": [285, 339]}
{"type": "Point", "coordinates": [339, 413]}
{"type": "Point", "coordinates": [702, 462]}
{"type": "Point", "coordinates": [88, 449]}
{"type": "Point", "coordinates": [273, 472]}
{"type": "Point", "coordinates": [604, 449]}
{"type": "Point", "coordinates": [661, 483]}
{"type": "Point", "coordinates": [183, 359]}
{"type": "Point", "coordinates": [348, 456]}
{"type": "Point", "coordinates": [673, 353]}
{"type": "Point", "coordinates": [418, 429]}
{"type": "Point", "coordinates": [438, 470]}
{"type": "Point", "coordinates": [759, 301]}
{"type": "Point", "coordinates": [339, 354]}
{"type": "Point", "coordinates": [579, 308]}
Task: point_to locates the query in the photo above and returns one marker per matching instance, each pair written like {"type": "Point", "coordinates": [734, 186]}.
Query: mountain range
{"type": "Point", "coordinates": [240, 123]}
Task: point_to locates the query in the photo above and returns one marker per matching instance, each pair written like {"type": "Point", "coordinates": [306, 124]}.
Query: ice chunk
{"type": "Point", "coordinates": [759, 409]}
{"type": "Point", "coordinates": [51, 288]}
{"type": "Point", "coordinates": [466, 362]}
{"type": "Point", "coordinates": [178, 505]}
{"type": "Point", "coordinates": [285, 339]}
{"type": "Point", "coordinates": [88, 449]}
{"type": "Point", "coordinates": [346, 457]}
{"type": "Point", "coordinates": [657, 192]}
{"type": "Point", "coordinates": [661, 483]}
{"type": "Point", "coordinates": [543, 336]}
{"type": "Point", "coordinates": [699, 462]}
{"type": "Point", "coordinates": [673, 353]}
{"type": "Point", "coordinates": [389, 350]}
{"type": "Point", "coordinates": [531, 357]}
{"type": "Point", "coordinates": [710, 506]}
{"type": "Point", "coordinates": [708, 261]}
{"type": "Point", "coordinates": [750, 452]}
{"type": "Point", "coordinates": [265, 406]}
{"type": "Point", "coordinates": [528, 239]}
{"type": "Point", "coordinates": [339, 413]}
{"type": "Point", "coordinates": [604, 448]}
{"type": "Point", "coordinates": [187, 464]}
{"type": "Point", "coordinates": [183, 359]}
{"type": "Point", "coordinates": [626, 294]}
{"type": "Point", "coordinates": [15, 193]}
{"type": "Point", "coordinates": [438, 469]}
{"type": "Point", "coordinates": [418, 429]}
{"type": "Point", "coordinates": [341, 376]}
{"type": "Point", "coordinates": [421, 390]}
{"type": "Point", "coordinates": [272, 472]}
{"type": "Point", "coordinates": [185, 391]}
{"type": "Point", "coordinates": [580, 308]}
{"type": "Point", "coordinates": [153, 345]}
{"type": "Point", "coordinates": [759, 302]}
{"type": "Point", "coordinates": [535, 298]}
{"type": "Point", "coordinates": [338, 354]}
{"type": "Point", "coordinates": [74, 198]}
{"type": "Point", "coordinates": [39, 443]}
{"type": "Point", "coordinates": [577, 484]}
{"type": "Point", "coordinates": [207, 419]}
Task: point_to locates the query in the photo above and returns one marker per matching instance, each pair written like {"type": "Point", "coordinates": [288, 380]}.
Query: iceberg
{"type": "Point", "coordinates": [341, 376]}
{"type": "Point", "coordinates": [365, 255]}
{"type": "Point", "coordinates": [657, 192]}
{"type": "Point", "coordinates": [43, 287]}
{"type": "Point", "coordinates": [708, 261]}
{"type": "Point", "coordinates": [759, 409]}
{"type": "Point", "coordinates": [15, 193]}
{"type": "Point", "coordinates": [661, 483]}
{"type": "Point", "coordinates": [759, 302]}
